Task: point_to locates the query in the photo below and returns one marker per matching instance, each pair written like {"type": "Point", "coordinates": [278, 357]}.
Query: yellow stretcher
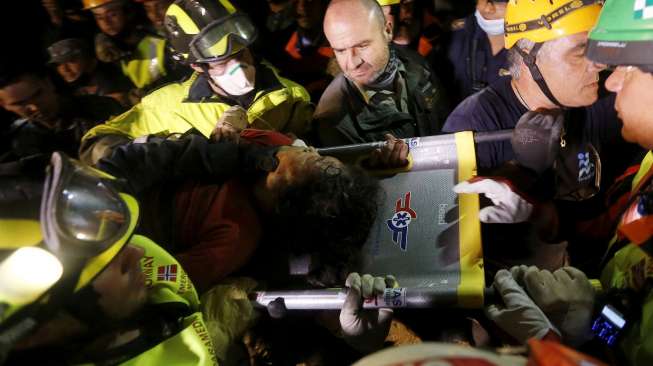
{"type": "Point", "coordinates": [425, 234]}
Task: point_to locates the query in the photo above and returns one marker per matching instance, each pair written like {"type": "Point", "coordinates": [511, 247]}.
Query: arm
{"type": "Point", "coordinates": [145, 165]}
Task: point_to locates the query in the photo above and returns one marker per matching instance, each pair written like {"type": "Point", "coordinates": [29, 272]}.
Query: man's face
{"type": "Point", "coordinates": [31, 97]}
{"type": "Point", "coordinates": [308, 13]}
{"type": "Point", "coordinates": [634, 89]}
{"type": "Point", "coordinates": [72, 70]}
{"type": "Point", "coordinates": [121, 285]}
{"type": "Point", "coordinates": [156, 11]}
{"type": "Point", "coordinates": [295, 163]}
{"type": "Point", "coordinates": [361, 47]}
{"type": "Point", "coordinates": [491, 10]}
{"type": "Point", "coordinates": [110, 18]}
{"type": "Point", "coordinates": [572, 78]}
{"type": "Point", "coordinates": [219, 68]}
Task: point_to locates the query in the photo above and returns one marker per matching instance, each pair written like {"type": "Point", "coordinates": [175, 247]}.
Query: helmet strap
{"type": "Point", "coordinates": [530, 60]}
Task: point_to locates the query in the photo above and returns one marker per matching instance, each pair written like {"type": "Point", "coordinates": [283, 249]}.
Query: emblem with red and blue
{"type": "Point", "coordinates": [400, 221]}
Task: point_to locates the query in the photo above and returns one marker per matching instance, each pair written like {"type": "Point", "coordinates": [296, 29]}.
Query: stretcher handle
{"type": "Point", "coordinates": [333, 298]}
{"type": "Point", "coordinates": [479, 138]}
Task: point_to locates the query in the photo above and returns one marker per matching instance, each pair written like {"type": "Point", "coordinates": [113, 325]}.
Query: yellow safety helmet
{"type": "Point", "coordinates": [388, 2]}
{"type": "Point", "coordinates": [207, 30]}
{"type": "Point", "coordinates": [56, 236]}
{"type": "Point", "coordinates": [544, 20]}
{"type": "Point", "coordinates": [92, 4]}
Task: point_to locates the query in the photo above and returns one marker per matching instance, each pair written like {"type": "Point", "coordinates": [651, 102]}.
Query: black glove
{"type": "Point", "coordinates": [536, 139]}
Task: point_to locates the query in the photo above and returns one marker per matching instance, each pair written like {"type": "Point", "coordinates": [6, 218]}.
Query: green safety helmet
{"type": "Point", "coordinates": [623, 34]}
{"type": "Point", "coordinates": [56, 235]}
{"type": "Point", "coordinates": [207, 30]}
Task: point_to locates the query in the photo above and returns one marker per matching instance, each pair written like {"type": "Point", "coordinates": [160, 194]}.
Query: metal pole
{"type": "Point", "coordinates": [333, 299]}
{"type": "Point", "coordinates": [479, 138]}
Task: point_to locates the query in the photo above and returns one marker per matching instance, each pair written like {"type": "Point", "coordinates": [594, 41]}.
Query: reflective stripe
{"type": "Point", "coordinates": [631, 268]}
{"type": "Point", "coordinates": [146, 65]}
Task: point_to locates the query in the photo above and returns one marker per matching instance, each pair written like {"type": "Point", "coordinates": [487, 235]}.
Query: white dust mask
{"type": "Point", "coordinates": [491, 27]}
{"type": "Point", "coordinates": [238, 79]}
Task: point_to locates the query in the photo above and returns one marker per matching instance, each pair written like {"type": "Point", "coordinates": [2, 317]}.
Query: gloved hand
{"type": "Point", "coordinates": [365, 330]}
{"type": "Point", "coordinates": [519, 317]}
{"type": "Point", "coordinates": [106, 49]}
{"type": "Point", "coordinates": [392, 155]}
{"type": "Point", "coordinates": [228, 313]}
{"type": "Point", "coordinates": [230, 124]}
{"type": "Point", "coordinates": [566, 297]}
{"type": "Point", "coordinates": [509, 207]}
{"type": "Point", "coordinates": [536, 139]}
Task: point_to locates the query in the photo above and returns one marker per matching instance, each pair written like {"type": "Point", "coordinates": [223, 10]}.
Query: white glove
{"type": "Point", "coordinates": [566, 296]}
{"type": "Point", "coordinates": [509, 207]}
{"type": "Point", "coordinates": [365, 330]}
{"type": "Point", "coordinates": [520, 317]}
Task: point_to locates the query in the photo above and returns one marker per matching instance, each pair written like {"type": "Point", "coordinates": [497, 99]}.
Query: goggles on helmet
{"type": "Point", "coordinates": [81, 214]}
{"type": "Point", "coordinates": [223, 38]}
{"type": "Point", "coordinates": [82, 225]}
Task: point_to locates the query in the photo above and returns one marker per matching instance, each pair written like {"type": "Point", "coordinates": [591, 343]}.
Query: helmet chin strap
{"type": "Point", "coordinates": [529, 60]}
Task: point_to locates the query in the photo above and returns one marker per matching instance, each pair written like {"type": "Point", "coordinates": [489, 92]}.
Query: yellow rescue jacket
{"type": "Point", "coordinates": [176, 108]}
{"type": "Point", "coordinates": [629, 268]}
{"type": "Point", "coordinates": [146, 63]}
{"type": "Point", "coordinates": [168, 284]}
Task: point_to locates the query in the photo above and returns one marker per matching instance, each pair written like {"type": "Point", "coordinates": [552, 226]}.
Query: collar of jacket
{"type": "Point", "coordinates": [200, 90]}
{"type": "Point", "coordinates": [367, 93]}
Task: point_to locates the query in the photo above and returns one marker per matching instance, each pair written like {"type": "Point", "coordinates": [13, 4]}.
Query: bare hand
{"type": "Point", "coordinates": [394, 154]}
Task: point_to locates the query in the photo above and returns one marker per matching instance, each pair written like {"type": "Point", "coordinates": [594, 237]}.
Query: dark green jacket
{"type": "Point", "coordinates": [344, 117]}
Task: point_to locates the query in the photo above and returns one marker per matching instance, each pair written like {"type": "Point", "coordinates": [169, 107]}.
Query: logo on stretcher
{"type": "Point", "coordinates": [399, 222]}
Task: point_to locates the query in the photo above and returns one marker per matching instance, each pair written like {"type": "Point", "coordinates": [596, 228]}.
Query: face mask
{"type": "Point", "coordinates": [491, 27]}
{"type": "Point", "coordinates": [238, 79]}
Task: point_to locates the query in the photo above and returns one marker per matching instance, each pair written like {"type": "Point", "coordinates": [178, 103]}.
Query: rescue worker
{"type": "Point", "coordinates": [212, 37]}
{"type": "Point", "coordinates": [475, 52]}
{"type": "Point", "coordinates": [552, 83]}
{"type": "Point", "coordinates": [100, 294]}
{"type": "Point", "coordinates": [141, 56]}
{"type": "Point", "coordinates": [49, 119]}
{"type": "Point", "coordinates": [156, 12]}
{"type": "Point", "coordinates": [382, 89]}
{"type": "Point", "coordinates": [404, 16]}
{"type": "Point", "coordinates": [104, 294]}
{"type": "Point", "coordinates": [78, 67]}
{"type": "Point", "coordinates": [307, 53]}
{"type": "Point", "coordinates": [619, 318]}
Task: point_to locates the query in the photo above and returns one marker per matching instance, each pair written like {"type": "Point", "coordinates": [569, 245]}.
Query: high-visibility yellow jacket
{"type": "Point", "coordinates": [146, 64]}
{"type": "Point", "coordinates": [279, 104]}
{"type": "Point", "coordinates": [630, 268]}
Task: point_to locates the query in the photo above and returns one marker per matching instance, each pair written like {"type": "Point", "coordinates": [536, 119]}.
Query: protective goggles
{"type": "Point", "coordinates": [82, 222]}
{"type": "Point", "coordinates": [81, 213]}
{"type": "Point", "coordinates": [223, 38]}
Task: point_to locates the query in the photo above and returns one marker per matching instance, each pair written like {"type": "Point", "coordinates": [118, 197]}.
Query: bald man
{"type": "Point", "coordinates": [381, 89]}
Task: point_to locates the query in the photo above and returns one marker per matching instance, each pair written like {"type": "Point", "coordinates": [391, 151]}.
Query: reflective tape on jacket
{"type": "Point", "coordinates": [166, 110]}
{"type": "Point", "coordinates": [147, 63]}
{"type": "Point", "coordinates": [630, 268]}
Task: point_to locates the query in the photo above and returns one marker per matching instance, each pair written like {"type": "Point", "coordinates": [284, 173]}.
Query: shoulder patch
{"type": "Point", "coordinates": [458, 24]}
